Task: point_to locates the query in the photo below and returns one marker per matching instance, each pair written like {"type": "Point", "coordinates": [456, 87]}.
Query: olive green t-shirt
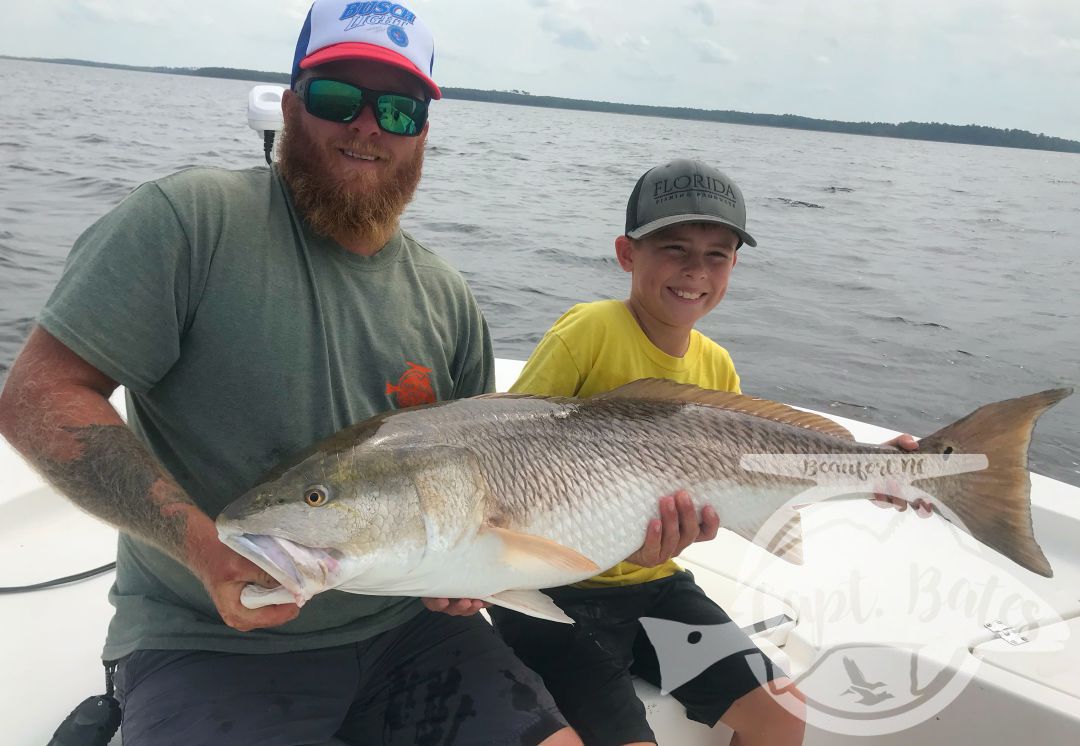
{"type": "Point", "coordinates": [242, 337]}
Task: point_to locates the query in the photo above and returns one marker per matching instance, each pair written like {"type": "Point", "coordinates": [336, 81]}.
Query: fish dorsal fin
{"type": "Point", "coordinates": [663, 389]}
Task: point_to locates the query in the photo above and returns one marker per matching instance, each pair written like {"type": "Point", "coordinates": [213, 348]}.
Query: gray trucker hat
{"type": "Point", "coordinates": [685, 191]}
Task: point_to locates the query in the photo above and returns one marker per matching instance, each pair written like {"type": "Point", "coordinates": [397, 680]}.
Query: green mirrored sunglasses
{"type": "Point", "coordinates": [338, 101]}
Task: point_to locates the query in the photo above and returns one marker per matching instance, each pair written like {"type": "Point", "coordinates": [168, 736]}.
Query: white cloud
{"type": "Point", "coordinates": [568, 24]}
{"type": "Point", "coordinates": [571, 35]}
{"type": "Point", "coordinates": [703, 11]}
{"type": "Point", "coordinates": [711, 52]}
{"type": "Point", "coordinates": [638, 45]}
{"type": "Point", "coordinates": [107, 10]}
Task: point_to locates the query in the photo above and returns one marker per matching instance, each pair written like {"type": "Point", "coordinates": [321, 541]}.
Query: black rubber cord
{"type": "Point", "coordinates": [59, 581]}
{"type": "Point", "coordinates": [268, 145]}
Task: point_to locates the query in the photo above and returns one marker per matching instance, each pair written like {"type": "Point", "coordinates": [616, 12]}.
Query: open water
{"type": "Point", "coordinates": [897, 282]}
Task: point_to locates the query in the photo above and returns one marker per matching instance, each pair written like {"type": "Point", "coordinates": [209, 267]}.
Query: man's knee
{"type": "Point", "coordinates": [564, 737]}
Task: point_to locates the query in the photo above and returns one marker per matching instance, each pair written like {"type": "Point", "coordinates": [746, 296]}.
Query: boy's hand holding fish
{"type": "Point", "coordinates": [677, 528]}
{"type": "Point", "coordinates": [923, 509]}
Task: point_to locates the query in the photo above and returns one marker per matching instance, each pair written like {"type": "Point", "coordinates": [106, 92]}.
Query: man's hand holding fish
{"type": "Point", "coordinates": [225, 574]}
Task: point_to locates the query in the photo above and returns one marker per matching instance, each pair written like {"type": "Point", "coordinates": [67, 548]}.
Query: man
{"type": "Point", "coordinates": [248, 314]}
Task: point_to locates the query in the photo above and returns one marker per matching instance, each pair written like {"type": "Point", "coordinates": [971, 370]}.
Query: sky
{"type": "Point", "coordinates": [1000, 63]}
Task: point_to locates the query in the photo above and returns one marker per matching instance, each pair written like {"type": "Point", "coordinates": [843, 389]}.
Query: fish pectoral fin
{"type": "Point", "coordinates": [521, 550]}
{"type": "Point", "coordinates": [533, 603]}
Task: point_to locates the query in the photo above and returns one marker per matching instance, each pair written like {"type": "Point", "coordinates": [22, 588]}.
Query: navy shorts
{"type": "Point", "coordinates": [435, 679]}
{"type": "Point", "coordinates": [589, 666]}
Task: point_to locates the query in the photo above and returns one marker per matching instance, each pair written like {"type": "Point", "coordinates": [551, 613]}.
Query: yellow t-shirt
{"type": "Point", "coordinates": [596, 347]}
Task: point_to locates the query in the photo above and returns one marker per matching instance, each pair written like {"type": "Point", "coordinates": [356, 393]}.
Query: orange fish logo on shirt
{"type": "Point", "coordinates": [414, 387]}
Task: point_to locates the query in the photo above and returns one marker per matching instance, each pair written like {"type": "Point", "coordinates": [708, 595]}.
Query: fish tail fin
{"type": "Point", "coordinates": [994, 503]}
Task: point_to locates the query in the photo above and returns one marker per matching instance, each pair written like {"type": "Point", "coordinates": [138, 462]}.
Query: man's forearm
{"type": "Point", "coordinates": [116, 479]}
{"type": "Point", "coordinates": [55, 410]}
{"type": "Point", "coordinates": [74, 437]}
{"type": "Point", "coordinates": [77, 441]}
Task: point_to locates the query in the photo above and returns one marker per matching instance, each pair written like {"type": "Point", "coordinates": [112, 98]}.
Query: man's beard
{"type": "Point", "coordinates": [359, 207]}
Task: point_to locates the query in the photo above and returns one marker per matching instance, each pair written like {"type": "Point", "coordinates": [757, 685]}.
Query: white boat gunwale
{"type": "Point", "coordinates": [53, 638]}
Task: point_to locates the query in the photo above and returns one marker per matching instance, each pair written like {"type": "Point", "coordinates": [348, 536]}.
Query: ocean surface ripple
{"type": "Point", "coordinates": [898, 282]}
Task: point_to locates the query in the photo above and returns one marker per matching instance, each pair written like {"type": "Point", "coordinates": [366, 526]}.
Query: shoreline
{"type": "Point", "coordinates": [970, 134]}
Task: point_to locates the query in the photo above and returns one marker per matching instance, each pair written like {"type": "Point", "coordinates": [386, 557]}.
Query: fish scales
{"type": "Point", "coordinates": [496, 496]}
{"type": "Point", "coordinates": [574, 471]}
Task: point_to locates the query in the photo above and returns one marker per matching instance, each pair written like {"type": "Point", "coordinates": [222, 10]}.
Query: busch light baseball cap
{"type": "Point", "coordinates": [685, 191]}
{"type": "Point", "coordinates": [385, 32]}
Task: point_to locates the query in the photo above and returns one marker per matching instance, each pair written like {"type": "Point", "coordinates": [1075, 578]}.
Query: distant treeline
{"type": "Point", "coordinates": [235, 73]}
{"type": "Point", "coordinates": [971, 134]}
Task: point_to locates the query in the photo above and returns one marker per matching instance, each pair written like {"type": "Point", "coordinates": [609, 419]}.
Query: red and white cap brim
{"type": "Point", "coordinates": [352, 50]}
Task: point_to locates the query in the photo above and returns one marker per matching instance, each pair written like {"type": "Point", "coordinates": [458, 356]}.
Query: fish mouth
{"type": "Point", "coordinates": [303, 571]}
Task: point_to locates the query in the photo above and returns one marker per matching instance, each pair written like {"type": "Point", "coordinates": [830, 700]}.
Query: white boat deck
{"type": "Point", "coordinates": [903, 599]}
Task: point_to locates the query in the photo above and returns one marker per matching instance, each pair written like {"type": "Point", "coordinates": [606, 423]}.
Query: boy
{"type": "Point", "coordinates": [684, 224]}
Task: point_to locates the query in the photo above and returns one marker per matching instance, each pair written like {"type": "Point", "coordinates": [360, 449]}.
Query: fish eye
{"type": "Point", "coordinates": [316, 496]}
